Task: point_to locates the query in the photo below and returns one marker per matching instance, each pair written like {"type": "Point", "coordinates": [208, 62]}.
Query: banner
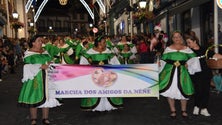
{"type": "Point", "coordinates": [77, 81]}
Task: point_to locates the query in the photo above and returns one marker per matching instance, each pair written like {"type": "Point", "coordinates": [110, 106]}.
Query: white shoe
{"type": "Point", "coordinates": [204, 112]}
{"type": "Point", "coordinates": [196, 110]}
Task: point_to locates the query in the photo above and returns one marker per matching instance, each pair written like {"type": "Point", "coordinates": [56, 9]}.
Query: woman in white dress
{"type": "Point", "coordinates": [100, 55]}
{"type": "Point", "coordinates": [174, 79]}
{"type": "Point", "coordinates": [36, 92]}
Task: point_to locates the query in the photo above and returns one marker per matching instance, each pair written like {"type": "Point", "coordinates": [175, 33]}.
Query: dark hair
{"type": "Point", "coordinates": [33, 39]}
{"type": "Point", "coordinates": [84, 43]}
{"type": "Point", "coordinates": [192, 38]}
{"type": "Point", "coordinates": [189, 37]}
{"type": "Point", "coordinates": [98, 40]}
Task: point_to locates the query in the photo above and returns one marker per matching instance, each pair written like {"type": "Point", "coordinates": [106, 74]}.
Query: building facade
{"type": "Point", "coordinates": [7, 27]}
{"type": "Point", "coordinates": [172, 15]}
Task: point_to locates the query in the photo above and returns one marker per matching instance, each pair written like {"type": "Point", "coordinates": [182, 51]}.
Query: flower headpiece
{"type": "Point", "coordinates": [158, 27]}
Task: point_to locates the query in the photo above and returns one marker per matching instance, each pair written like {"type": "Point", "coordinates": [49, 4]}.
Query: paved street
{"type": "Point", "coordinates": [137, 111]}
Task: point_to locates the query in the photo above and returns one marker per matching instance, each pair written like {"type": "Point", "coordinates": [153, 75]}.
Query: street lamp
{"type": "Point", "coordinates": [142, 4]}
{"type": "Point", "coordinates": [31, 24]}
{"type": "Point", "coordinates": [15, 15]}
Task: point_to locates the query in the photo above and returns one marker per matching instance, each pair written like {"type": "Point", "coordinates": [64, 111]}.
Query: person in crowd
{"type": "Point", "coordinates": [219, 37]}
{"type": "Point", "coordinates": [126, 56]}
{"type": "Point", "coordinates": [64, 57]}
{"type": "Point", "coordinates": [219, 34]}
{"type": "Point", "coordinates": [109, 44]}
{"type": "Point", "coordinates": [85, 47]}
{"type": "Point", "coordinates": [1, 58]}
{"type": "Point", "coordinates": [80, 48]}
{"type": "Point", "coordinates": [144, 51]}
{"type": "Point", "coordinates": [164, 39]}
{"type": "Point", "coordinates": [120, 45]}
{"type": "Point", "coordinates": [216, 82]}
{"type": "Point", "coordinates": [0, 68]}
{"type": "Point", "coordinates": [34, 89]}
{"type": "Point", "coordinates": [156, 43]}
{"type": "Point", "coordinates": [100, 55]}
{"type": "Point", "coordinates": [174, 79]}
{"type": "Point", "coordinates": [18, 51]}
{"type": "Point", "coordinates": [201, 80]}
{"type": "Point", "coordinates": [11, 61]}
{"type": "Point", "coordinates": [5, 61]}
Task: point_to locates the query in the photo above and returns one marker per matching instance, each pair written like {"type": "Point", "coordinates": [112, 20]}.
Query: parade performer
{"type": "Point", "coordinates": [126, 56]}
{"type": "Point", "coordinates": [80, 48]}
{"type": "Point", "coordinates": [174, 78]}
{"type": "Point", "coordinates": [36, 92]}
{"type": "Point", "coordinates": [71, 42]}
{"type": "Point", "coordinates": [64, 57]}
{"type": "Point", "coordinates": [100, 55]}
{"type": "Point", "coordinates": [156, 43]}
{"type": "Point", "coordinates": [201, 80]}
{"type": "Point", "coordinates": [120, 45]}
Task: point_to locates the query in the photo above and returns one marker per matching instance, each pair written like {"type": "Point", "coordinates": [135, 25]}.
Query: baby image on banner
{"type": "Point", "coordinates": [77, 81]}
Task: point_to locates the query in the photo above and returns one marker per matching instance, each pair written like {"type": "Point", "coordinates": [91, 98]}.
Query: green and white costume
{"type": "Point", "coordinates": [100, 104]}
{"type": "Point", "coordinates": [174, 78]}
{"type": "Point", "coordinates": [72, 43]}
{"type": "Point", "coordinates": [35, 91]}
{"type": "Point", "coordinates": [126, 57]}
{"type": "Point", "coordinates": [120, 46]}
{"type": "Point", "coordinates": [64, 56]}
{"type": "Point", "coordinates": [81, 50]}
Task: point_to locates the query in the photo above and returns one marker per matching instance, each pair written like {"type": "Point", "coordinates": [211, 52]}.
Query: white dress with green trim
{"type": "Point", "coordinates": [36, 91]}
{"type": "Point", "coordinates": [100, 104]}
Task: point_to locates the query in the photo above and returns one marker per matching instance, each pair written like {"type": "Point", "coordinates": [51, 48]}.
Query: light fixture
{"type": "Point", "coordinates": [31, 24]}
{"type": "Point", "coordinates": [63, 2]}
{"type": "Point", "coordinates": [50, 27]}
{"type": "Point", "coordinates": [142, 4]}
{"type": "Point", "coordinates": [90, 25]}
{"type": "Point", "coordinates": [15, 15]}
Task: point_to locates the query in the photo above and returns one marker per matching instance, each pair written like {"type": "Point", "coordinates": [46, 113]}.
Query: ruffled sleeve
{"type": "Point", "coordinates": [161, 65]}
{"type": "Point", "coordinates": [114, 61]}
{"type": "Point", "coordinates": [30, 71]}
{"type": "Point", "coordinates": [194, 65]}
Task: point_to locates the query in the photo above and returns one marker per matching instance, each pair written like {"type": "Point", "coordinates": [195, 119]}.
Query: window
{"type": "Point", "coordinates": [50, 23]}
{"type": "Point", "coordinates": [186, 21]}
{"type": "Point", "coordinates": [75, 16]}
{"type": "Point", "coordinates": [41, 23]}
{"type": "Point", "coordinates": [58, 25]}
{"type": "Point", "coordinates": [82, 16]}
